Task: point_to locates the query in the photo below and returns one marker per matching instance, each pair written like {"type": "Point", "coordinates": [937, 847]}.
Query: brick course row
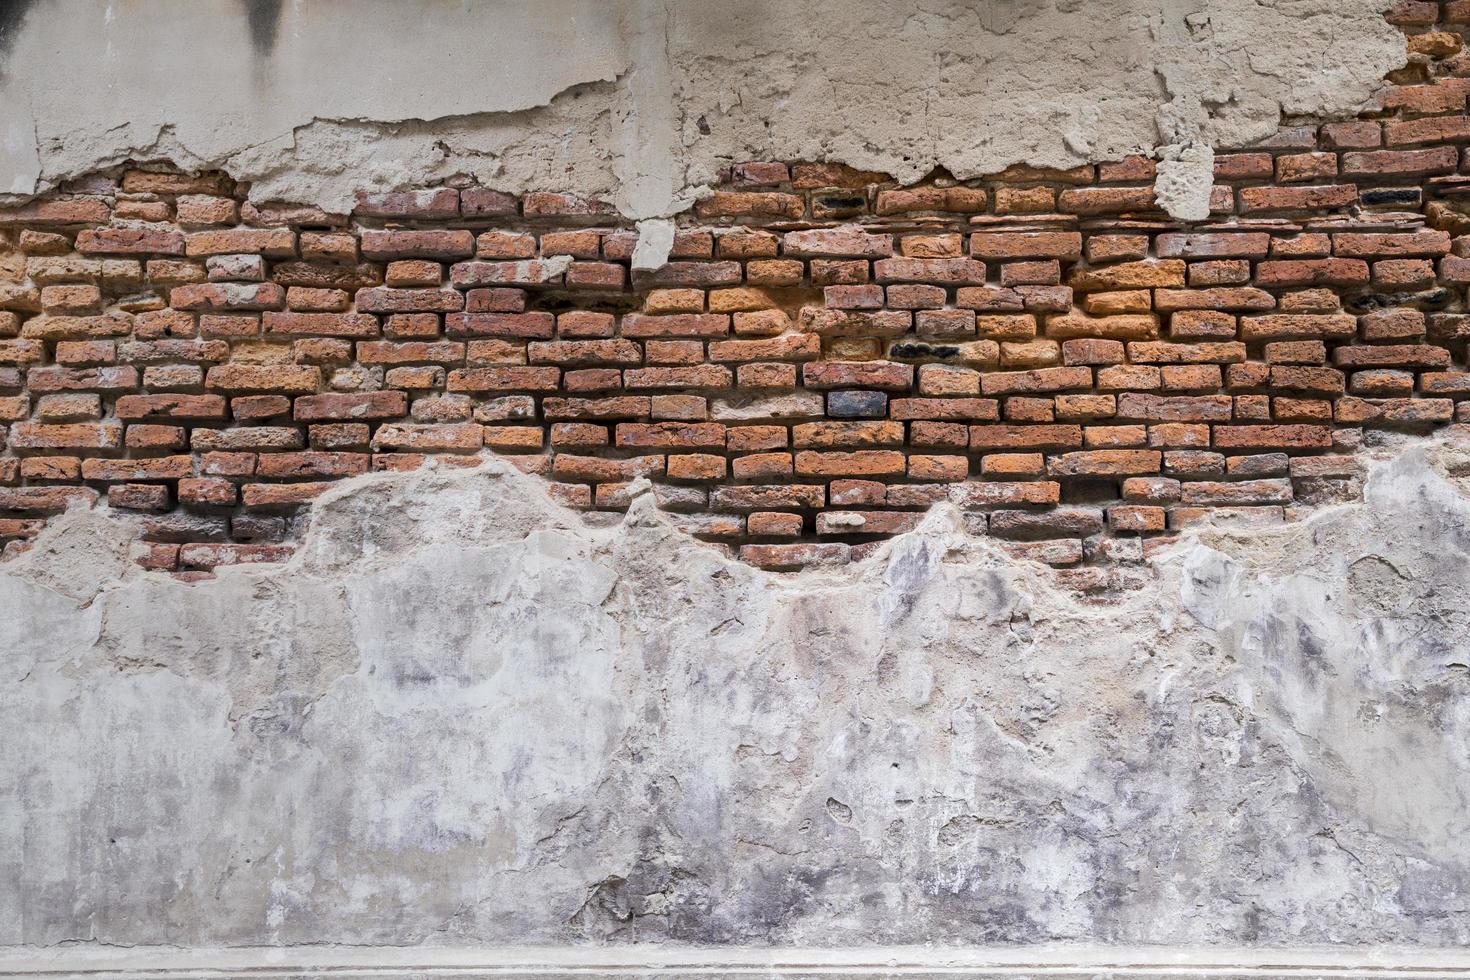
{"type": "Point", "coordinates": [824, 356]}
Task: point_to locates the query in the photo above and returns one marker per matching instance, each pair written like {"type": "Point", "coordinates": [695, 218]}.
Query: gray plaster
{"type": "Point", "coordinates": [646, 101]}
{"type": "Point", "coordinates": [461, 716]}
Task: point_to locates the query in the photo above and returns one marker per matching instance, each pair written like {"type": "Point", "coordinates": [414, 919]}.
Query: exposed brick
{"type": "Point", "coordinates": [1317, 197]}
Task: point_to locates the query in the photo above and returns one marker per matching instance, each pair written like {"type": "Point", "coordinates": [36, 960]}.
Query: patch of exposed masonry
{"type": "Point", "coordinates": [646, 102]}
{"type": "Point", "coordinates": [1265, 741]}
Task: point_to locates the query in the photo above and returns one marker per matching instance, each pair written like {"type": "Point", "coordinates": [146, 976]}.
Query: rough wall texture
{"type": "Point", "coordinates": [646, 101]}
{"type": "Point", "coordinates": [823, 355]}
{"type": "Point", "coordinates": [1266, 741]}
{"type": "Point", "coordinates": [384, 636]}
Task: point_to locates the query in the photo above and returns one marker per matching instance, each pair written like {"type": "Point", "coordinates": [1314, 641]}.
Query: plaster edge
{"type": "Point", "coordinates": [1052, 960]}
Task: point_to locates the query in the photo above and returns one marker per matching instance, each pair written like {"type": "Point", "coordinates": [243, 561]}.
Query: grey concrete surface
{"type": "Point", "coordinates": [464, 717]}
{"type": "Point", "coordinates": [645, 101]}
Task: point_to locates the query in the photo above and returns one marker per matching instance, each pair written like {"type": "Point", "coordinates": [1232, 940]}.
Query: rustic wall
{"type": "Point", "coordinates": [1264, 741]}
{"type": "Point", "coordinates": [363, 420]}
{"type": "Point", "coordinates": [645, 101]}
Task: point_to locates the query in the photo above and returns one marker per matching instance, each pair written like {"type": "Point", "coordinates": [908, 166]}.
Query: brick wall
{"type": "Point", "coordinates": [825, 355]}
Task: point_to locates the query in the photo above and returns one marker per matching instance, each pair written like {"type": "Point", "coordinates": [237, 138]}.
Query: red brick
{"type": "Point", "coordinates": [476, 202]}
{"type": "Point", "coordinates": [271, 242]}
{"type": "Point", "coordinates": [130, 241]}
{"type": "Point", "coordinates": [884, 375]}
{"type": "Point", "coordinates": [585, 352]}
{"type": "Point", "coordinates": [848, 241]}
{"type": "Point", "coordinates": [672, 435]}
{"type": "Point", "coordinates": [1398, 355]}
{"type": "Point", "coordinates": [63, 211]}
{"type": "Point", "coordinates": [942, 271]}
{"type": "Point", "coordinates": [1213, 245]}
{"type": "Point", "coordinates": [703, 376]}
{"type": "Point", "coordinates": [1435, 129]}
{"type": "Point", "coordinates": [986, 438]}
{"type": "Point", "coordinates": [1122, 327]}
{"type": "Point", "coordinates": [869, 462]}
{"type": "Point", "coordinates": [1026, 245]}
{"type": "Point", "coordinates": [228, 296]}
{"type": "Point", "coordinates": [487, 379]}
{"type": "Point", "coordinates": [760, 204]}
{"type": "Point", "coordinates": [1042, 380]}
{"type": "Point", "coordinates": [1439, 159]}
{"type": "Point", "coordinates": [386, 299]}
{"type": "Point", "coordinates": [172, 406]}
{"type": "Point", "coordinates": [976, 495]}
{"type": "Point", "coordinates": [46, 500]}
{"type": "Point", "coordinates": [1324, 197]}
{"type": "Point", "coordinates": [440, 203]}
{"type": "Point", "coordinates": [675, 325]}
{"type": "Point", "coordinates": [354, 406]}
{"type": "Point", "coordinates": [155, 468]}
{"type": "Point", "coordinates": [442, 245]}
{"type": "Point", "coordinates": [138, 496]}
{"type": "Point", "coordinates": [450, 437]}
{"type": "Point", "coordinates": [207, 492]}
{"type": "Point", "coordinates": [1298, 326]}
{"type": "Point", "coordinates": [1428, 242]}
{"type": "Point", "coordinates": [1155, 408]}
{"type": "Point", "coordinates": [77, 435]}
{"type": "Point", "coordinates": [790, 557]}
{"type": "Point", "coordinates": [1273, 436]}
{"type": "Point", "coordinates": [321, 324]}
{"type": "Point", "coordinates": [1106, 462]}
{"type": "Point", "coordinates": [962, 200]}
{"type": "Point", "coordinates": [1313, 272]}
{"type": "Point", "coordinates": [1106, 200]}
{"type": "Point", "coordinates": [534, 326]}
{"type": "Point", "coordinates": [294, 465]}
{"type": "Point", "coordinates": [288, 378]}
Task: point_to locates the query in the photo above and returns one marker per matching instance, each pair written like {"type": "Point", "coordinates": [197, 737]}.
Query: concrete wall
{"type": "Point", "coordinates": [461, 716]}
{"type": "Point", "coordinates": [464, 716]}
{"type": "Point", "coordinates": [646, 101]}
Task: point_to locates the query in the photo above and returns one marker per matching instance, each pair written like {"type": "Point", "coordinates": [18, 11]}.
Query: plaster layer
{"type": "Point", "coordinates": [463, 715]}
{"type": "Point", "coordinates": [645, 102]}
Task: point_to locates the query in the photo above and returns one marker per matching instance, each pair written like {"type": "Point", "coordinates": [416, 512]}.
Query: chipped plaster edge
{"type": "Point", "coordinates": [647, 184]}
{"type": "Point", "coordinates": [69, 539]}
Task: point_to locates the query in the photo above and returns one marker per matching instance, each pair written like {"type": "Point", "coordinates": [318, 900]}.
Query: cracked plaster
{"type": "Point", "coordinates": [645, 102]}
{"type": "Point", "coordinates": [1264, 741]}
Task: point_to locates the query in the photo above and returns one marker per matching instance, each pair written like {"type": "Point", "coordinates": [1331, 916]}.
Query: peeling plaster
{"type": "Point", "coordinates": [645, 101]}
{"type": "Point", "coordinates": [1265, 741]}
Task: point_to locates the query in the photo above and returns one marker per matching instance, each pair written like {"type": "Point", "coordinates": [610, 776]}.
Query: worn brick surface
{"type": "Point", "coordinates": [797, 385]}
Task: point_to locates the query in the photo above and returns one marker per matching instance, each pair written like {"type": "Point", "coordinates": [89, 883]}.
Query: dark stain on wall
{"type": "Point", "coordinates": [264, 16]}
{"type": "Point", "coordinates": [12, 14]}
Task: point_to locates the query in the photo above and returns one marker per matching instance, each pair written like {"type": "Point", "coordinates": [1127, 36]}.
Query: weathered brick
{"type": "Point", "coordinates": [1439, 159]}
{"type": "Point", "coordinates": [957, 271]}
{"type": "Point", "coordinates": [759, 204]}
{"type": "Point", "coordinates": [354, 406]}
{"type": "Point", "coordinates": [272, 242]}
{"type": "Point", "coordinates": [535, 326]}
{"type": "Point", "coordinates": [639, 325]}
{"type": "Point", "coordinates": [884, 375]}
{"type": "Point", "coordinates": [228, 296]}
{"type": "Point", "coordinates": [1122, 327]}
{"type": "Point", "coordinates": [76, 435]}
{"type": "Point", "coordinates": [510, 378]}
{"type": "Point", "coordinates": [1273, 436]}
{"type": "Point", "coordinates": [848, 242]}
{"type": "Point", "coordinates": [1316, 197]}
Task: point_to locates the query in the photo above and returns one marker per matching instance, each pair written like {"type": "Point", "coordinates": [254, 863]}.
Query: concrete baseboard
{"type": "Point", "coordinates": [666, 963]}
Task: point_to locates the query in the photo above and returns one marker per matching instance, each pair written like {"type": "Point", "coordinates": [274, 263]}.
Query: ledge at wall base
{"type": "Point", "coordinates": [669, 962]}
